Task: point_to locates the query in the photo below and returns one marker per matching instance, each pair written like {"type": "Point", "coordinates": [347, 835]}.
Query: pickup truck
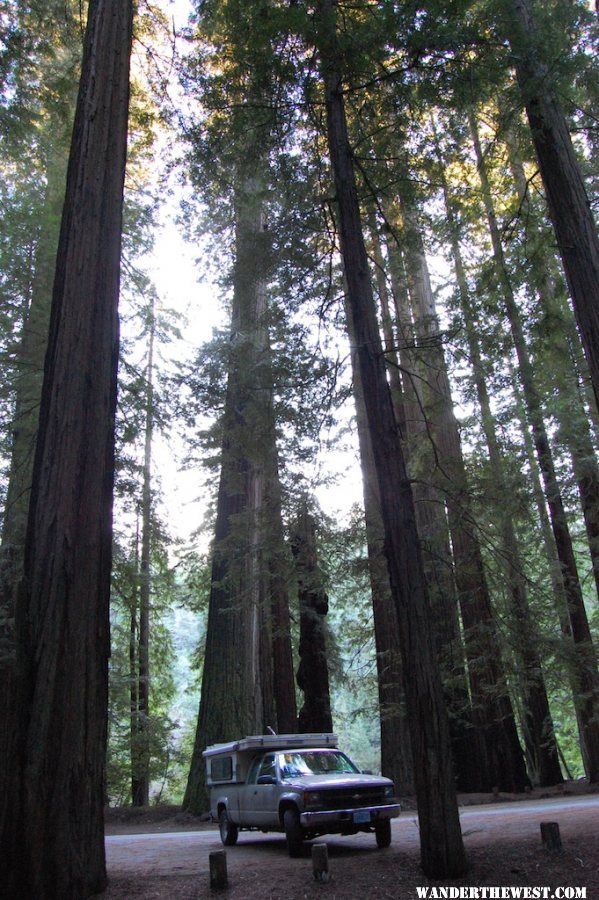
{"type": "Point", "coordinates": [301, 785]}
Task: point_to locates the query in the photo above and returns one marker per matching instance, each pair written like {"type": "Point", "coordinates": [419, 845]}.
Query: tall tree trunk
{"type": "Point", "coordinates": [28, 386]}
{"type": "Point", "coordinates": [430, 516]}
{"type": "Point", "coordinates": [442, 849]}
{"type": "Point", "coordinates": [564, 369]}
{"type": "Point", "coordinates": [492, 707]}
{"type": "Point", "coordinates": [587, 676]}
{"type": "Point", "coordinates": [140, 756]}
{"type": "Point", "coordinates": [51, 821]}
{"type": "Point", "coordinates": [468, 745]}
{"type": "Point", "coordinates": [566, 652]}
{"type": "Point", "coordinates": [313, 673]}
{"type": "Point", "coordinates": [246, 623]}
{"type": "Point", "coordinates": [396, 760]}
{"type": "Point", "coordinates": [231, 697]}
{"type": "Point", "coordinates": [537, 722]}
{"type": "Point", "coordinates": [277, 590]}
{"type": "Point", "coordinates": [567, 199]}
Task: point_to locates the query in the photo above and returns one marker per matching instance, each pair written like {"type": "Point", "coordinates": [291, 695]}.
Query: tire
{"type": "Point", "coordinates": [293, 832]}
{"type": "Point", "coordinates": [229, 832]}
{"type": "Point", "coordinates": [382, 832]}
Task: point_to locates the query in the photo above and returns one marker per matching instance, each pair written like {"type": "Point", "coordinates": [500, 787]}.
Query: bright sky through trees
{"type": "Point", "coordinates": [175, 268]}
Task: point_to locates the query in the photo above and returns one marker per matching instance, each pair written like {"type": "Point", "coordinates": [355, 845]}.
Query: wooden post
{"type": "Point", "coordinates": [550, 836]}
{"type": "Point", "coordinates": [218, 870]}
{"type": "Point", "coordinates": [320, 862]}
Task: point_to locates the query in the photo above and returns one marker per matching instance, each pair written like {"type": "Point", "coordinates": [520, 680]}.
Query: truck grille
{"type": "Point", "coordinates": [352, 798]}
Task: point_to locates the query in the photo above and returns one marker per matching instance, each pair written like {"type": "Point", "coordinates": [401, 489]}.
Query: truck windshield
{"type": "Point", "coordinates": [315, 762]}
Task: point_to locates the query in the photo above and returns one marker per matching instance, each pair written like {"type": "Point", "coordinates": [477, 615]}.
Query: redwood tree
{"type": "Point", "coordinates": [51, 822]}
{"type": "Point", "coordinates": [442, 850]}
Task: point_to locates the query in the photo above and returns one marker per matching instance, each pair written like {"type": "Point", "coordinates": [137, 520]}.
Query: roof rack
{"type": "Point", "coordinates": [273, 742]}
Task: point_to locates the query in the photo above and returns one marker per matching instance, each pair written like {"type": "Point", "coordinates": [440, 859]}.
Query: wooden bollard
{"type": "Point", "coordinates": [320, 862]}
{"type": "Point", "coordinates": [218, 870]}
{"type": "Point", "coordinates": [550, 836]}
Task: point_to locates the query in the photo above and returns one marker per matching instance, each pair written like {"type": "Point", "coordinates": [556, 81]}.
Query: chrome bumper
{"type": "Point", "coordinates": [343, 817]}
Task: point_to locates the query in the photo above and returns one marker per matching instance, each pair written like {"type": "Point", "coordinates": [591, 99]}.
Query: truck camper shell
{"type": "Point", "coordinates": [229, 763]}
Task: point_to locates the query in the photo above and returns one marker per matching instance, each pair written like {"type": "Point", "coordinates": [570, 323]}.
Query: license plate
{"type": "Point", "coordinates": [363, 815]}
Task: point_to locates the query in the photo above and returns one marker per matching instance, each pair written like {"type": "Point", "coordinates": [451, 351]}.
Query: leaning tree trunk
{"type": "Point", "coordinates": [567, 199]}
{"type": "Point", "coordinates": [442, 849]}
{"type": "Point", "coordinates": [313, 672]}
{"type": "Point", "coordinates": [585, 659]}
{"type": "Point", "coordinates": [51, 820]}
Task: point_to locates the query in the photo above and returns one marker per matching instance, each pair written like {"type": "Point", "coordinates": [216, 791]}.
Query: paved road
{"type": "Point", "coordinates": [186, 852]}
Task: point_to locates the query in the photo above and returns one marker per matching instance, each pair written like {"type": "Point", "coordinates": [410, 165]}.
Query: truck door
{"type": "Point", "coordinates": [260, 796]}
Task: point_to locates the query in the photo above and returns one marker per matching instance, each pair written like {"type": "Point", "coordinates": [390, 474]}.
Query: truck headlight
{"type": "Point", "coordinates": [389, 792]}
{"type": "Point", "coordinates": [312, 799]}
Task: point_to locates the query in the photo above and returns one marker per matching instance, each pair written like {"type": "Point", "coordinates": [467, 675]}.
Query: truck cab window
{"type": "Point", "coordinates": [268, 766]}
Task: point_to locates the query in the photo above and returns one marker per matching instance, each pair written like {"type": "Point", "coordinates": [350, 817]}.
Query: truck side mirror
{"type": "Point", "coordinates": [266, 779]}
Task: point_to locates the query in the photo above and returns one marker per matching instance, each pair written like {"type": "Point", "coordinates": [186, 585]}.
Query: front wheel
{"type": "Point", "coordinates": [229, 832]}
{"type": "Point", "coordinates": [382, 832]}
{"type": "Point", "coordinates": [293, 832]}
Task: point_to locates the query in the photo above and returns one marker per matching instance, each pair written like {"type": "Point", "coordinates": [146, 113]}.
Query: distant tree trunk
{"type": "Point", "coordinates": [569, 206]}
{"type": "Point", "coordinates": [433, 530]}
{"type": "Point", "coordinates": [140, 733]}
{"type": "Point", "coordinates": [587, 675]}
{"type": "Point", "coordinates": [28, 387]}
{"type": "Point", "coordinates": [442, 849]}
{"type": "Point", "coordinates": [538, 729]}
{"type": "Point", "coordinates": [566, 362]}
{"type": "Point", "coordinates": [396, 759]}
{"type": "Point", "coordinates": [246, 624]}
{"type": "Point", "coordinates": [51, 821]}
{"type": "Point", "coordinates": [313, 672]}
{"type": "Point", "coordinates": [492, 707]}
{"type": "Point", "coordinates": [278, 565]}
{"type": "Point", "coordinates": [566, 651]}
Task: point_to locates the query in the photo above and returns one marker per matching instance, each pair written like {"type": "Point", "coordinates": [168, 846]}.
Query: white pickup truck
{"type": "Point", "coordinates": [299, 784]}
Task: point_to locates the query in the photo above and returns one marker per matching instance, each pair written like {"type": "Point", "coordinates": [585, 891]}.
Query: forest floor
{"type": "Point", "coordinates": [502, 840]}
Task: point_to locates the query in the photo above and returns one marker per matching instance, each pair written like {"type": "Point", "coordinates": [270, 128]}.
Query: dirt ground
{"type": "Point", "coordinates": [502, 850]}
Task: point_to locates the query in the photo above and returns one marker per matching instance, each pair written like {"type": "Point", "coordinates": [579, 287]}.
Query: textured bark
{"type": "Point", "coordinates": [567, 199]}
{"type": "Point", "coordinates": [51, 822]}
{"type": "Point", "coordinates": [442, 850]}
{"type": "Point", "coordinates": [313, 673]}
{"type": "Point", "coordinates": [585, 659]}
